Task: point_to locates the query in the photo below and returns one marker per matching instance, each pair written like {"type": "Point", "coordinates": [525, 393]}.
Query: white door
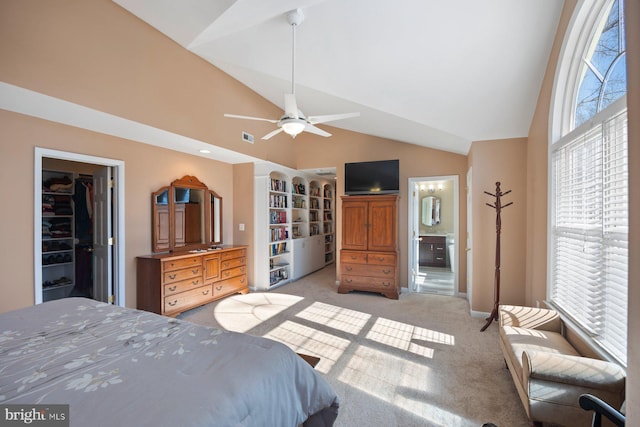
{"type": "Point", "coordinates": [415, 238]}
{"type": "Point", "coordinates": [102, 236]}
{"type": "Point", "coordinates": [469, 240]}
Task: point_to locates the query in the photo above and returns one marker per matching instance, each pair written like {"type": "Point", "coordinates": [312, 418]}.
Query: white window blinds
{"type": "Point", "coordinates": [590, 232]}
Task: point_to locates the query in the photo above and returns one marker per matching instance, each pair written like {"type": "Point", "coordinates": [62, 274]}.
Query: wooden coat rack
{"type": "Point", "coordinates": [496, 282]}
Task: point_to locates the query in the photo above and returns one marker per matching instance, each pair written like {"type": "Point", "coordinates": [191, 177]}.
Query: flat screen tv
{"type": "Point", "coordinates": [378, 177]}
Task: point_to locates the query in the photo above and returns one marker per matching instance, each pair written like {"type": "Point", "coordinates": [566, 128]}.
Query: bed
{"type": "Point", "coordinates": [117, 366]}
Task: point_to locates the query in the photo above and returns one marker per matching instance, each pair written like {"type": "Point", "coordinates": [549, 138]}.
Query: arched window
{"type": "Point", "coordinates": [588, 198]}
{"type": "Point", "coordinates": [603, 78]}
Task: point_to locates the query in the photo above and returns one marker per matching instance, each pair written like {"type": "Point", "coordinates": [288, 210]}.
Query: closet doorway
{"type": "Point", "coordinates": [433, 234]}
{"type": "Point", "coordinates": [79, 227]}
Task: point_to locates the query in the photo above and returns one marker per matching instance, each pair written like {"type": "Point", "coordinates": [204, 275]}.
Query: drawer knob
{"type": "Point", "coordinates": [242, 280]}
{"type": "Point", "coordinates": [195, 282]}
{"type": "Point", "coordinates": [380, 258]}
{"type": "Point", "coordinates": [173, 288]}
{"type": "Point", "coordinates": [387, 271]}
{"type": "Point", "coordinates": [348, 280]}
{"type": "Point", "coordinates": [196, 271]}
{"type": "Point", "coordinates": [227, 273]}
{"type": "Point", "coordinates": [172, 303]}
{"type": "Point", "coordinates": [172, 276]}
{"type": "Point", "coordinates": [386, 284]}
{"type": "Point", "coordinates": [205, 292]}
{"type": "Point", "coordinates": [219, 288]}
{"type": "Point", "coordinates": [348, 268]}
{"type": "Point", "coordinates": [354, 257]}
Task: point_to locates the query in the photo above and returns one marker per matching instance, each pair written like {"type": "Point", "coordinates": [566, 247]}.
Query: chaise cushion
{"type": "Point", "coordinates": [523, 339]}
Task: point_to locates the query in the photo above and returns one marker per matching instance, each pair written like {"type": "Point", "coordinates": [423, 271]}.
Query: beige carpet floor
{"type": "Point", "coordinates": [417, 361]}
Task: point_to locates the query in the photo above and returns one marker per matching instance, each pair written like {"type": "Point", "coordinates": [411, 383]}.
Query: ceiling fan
{"type": "Point", "coordinates": [293, 121]}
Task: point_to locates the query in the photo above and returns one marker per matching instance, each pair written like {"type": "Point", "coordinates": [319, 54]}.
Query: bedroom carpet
{"type": "Point", "coordinates": [417, 361]}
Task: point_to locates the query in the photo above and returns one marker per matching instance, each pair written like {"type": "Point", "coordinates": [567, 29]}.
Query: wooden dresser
{"type": "Point", "coordinates": [175, 282]}
{"type": "Point", "coordinates": [369, 255]}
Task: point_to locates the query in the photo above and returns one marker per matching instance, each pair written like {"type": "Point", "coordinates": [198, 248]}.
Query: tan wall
{"type": "Point", "coordinates": [415, 161]}
{"type": "Point", "coordinates": [537, 158]}
{"type": "Point", "coordinates": [243, 183]}
{"type": "Point", "coordinates": [146, 169]}
{"type": "Point", "coordinates": [96, 54]}
{"type": "Point", "coordinates": [501, 161]}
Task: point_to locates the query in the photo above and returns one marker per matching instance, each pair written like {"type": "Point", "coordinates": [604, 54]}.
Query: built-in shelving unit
{"type": "Point", "coordinates": [296, 205]}
{"type": "Point", "coordinates": [328, 229]}
{"type": "Point", "coordinates": [279, 229]}
{"type": "Point", "coordinates": [58, 265]}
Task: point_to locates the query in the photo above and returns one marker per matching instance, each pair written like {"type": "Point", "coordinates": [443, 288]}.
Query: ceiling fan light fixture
{"type": "Point", "coordinates": [293, 127]}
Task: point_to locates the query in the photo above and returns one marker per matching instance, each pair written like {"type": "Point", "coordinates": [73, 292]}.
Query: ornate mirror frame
{"type": "Point", "coordinates": [186, 215]}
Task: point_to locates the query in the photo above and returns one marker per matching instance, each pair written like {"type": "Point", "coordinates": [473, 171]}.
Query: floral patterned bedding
{"type": "Point", "coordinates": [116, 366]}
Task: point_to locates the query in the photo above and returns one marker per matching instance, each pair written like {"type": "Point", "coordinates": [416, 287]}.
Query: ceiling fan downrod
{"type": "Point", "coordinates": [295, 18]}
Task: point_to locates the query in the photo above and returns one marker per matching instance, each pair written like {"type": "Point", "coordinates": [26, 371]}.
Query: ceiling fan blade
{"type": "Point", "coordinates": [272, 133]}
{"type": "Point", "coordinates": [290, 105]}
{"type": "Point", "coordinates": [235, 116]}
{"type": "Point", "coordinates": [312, 129]}
{"type": "Point", "coordinates": [330, 117]}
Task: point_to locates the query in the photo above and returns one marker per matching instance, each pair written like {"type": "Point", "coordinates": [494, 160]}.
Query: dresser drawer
{"type": "Point", "coordinates": [180, 275]}
{"type": "Point", "coordinates": [233, 272]}
{"type": "Point", "coordinates": [232, 263]}
{"type": "Point", "coordinates": [229, 285]}
{"type": "Point", "coordinates": [176, 264]}
{"type": "Point", "coordinates": [187, 299]}
{"type": "Point", "coordinates": [353, 257]}
{"type": "Point", "coordinates": [368, 270]}
{"type": "Point", "coordinates": [369, 283]}
{"type": "Point", "coordinates": [237, 253]}
{"type": "Point", "coordinates": [185, 285]}
{"type": "Point", "coordinates": [381, 259]}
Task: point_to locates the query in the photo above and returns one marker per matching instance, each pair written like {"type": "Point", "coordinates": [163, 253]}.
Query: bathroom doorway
{"type": "Point", "coordinates": [433, 234]}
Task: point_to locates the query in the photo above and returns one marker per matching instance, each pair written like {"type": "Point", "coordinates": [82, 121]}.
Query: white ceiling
{"type": "Point", "coordinates": [429, 72]}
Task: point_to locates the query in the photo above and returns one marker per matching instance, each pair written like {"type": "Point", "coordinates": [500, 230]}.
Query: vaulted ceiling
{"type": "Point", "coordinates": [435, 73]}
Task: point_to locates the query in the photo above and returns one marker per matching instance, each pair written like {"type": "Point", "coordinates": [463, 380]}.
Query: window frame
{"type": "Point", "coordinates": [581, 31]}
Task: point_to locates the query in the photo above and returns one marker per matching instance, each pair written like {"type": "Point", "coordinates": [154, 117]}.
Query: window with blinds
{"type": "Point", "coordinates": [589, 232]}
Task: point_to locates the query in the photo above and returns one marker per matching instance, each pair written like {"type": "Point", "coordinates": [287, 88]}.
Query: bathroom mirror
{"type": "Point", "coordinates": [186, 215]}
{"type": "Point", "coordinates": [430, 210]}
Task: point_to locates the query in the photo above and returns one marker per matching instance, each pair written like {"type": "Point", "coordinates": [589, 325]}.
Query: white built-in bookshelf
{"type": "Point", "coordinates": [293, 225]}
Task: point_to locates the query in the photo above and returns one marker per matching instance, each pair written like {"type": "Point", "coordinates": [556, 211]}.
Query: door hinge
{"type": "Point", "coordinates": [111, 183]}
{"type": "Point", "coordinates": [112, 299]}
{"type": "Point", "coordinates": [110, 241]}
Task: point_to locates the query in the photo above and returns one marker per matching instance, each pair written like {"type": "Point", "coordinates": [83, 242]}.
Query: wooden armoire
{"type": "Point", "coordinates": [369, 253]}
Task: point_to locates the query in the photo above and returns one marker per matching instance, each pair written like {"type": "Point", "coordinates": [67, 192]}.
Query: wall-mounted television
{"type": "Point", "coordinates": [377, 177]}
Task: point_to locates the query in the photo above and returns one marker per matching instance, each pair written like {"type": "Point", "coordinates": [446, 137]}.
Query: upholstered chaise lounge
{"type": "Point", "coordinates": [549, 372]}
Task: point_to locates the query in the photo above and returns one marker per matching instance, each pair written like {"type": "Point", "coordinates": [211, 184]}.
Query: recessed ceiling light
{"type": "Point", "coordinates": [203, 151]}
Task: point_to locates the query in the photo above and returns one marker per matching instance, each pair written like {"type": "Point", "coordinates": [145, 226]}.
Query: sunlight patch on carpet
{"type": "Point", "coordinates": [407, 337]}
{"type": "Point", "coordinates": [303, 339]}
{"type": "Point", "coordinates": [240, 313]}
{"type": "Point", "coordinates": [335, 317]}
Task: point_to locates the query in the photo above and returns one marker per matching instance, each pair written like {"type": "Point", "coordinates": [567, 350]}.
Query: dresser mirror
{"type": "Point", "coordinates": [186, 215]}
{"type": "Point", "coordinates": [430, 210]}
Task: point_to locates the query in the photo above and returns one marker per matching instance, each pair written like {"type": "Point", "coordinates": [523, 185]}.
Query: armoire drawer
{"type": "Point", "coordinates": [353, 257]}
{"type": "Point", "coordinates": [381, 259]}
{"type": "Point", "coordinates": [367, 282]}
{"type": "Point", "coordinates": [368, 270]}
